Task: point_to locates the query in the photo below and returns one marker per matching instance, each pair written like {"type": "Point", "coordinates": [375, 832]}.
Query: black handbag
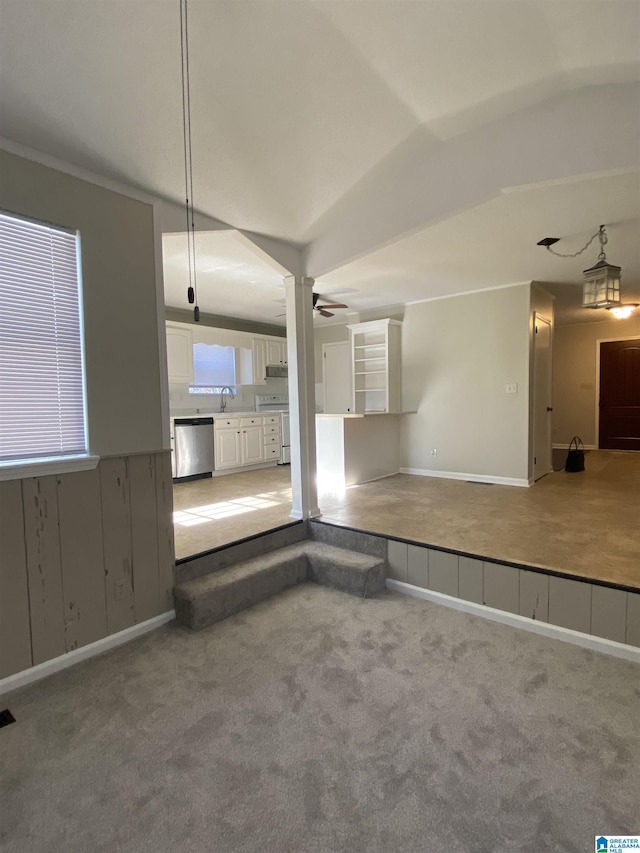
{"type": "Point", "coordinates": [575, 456]}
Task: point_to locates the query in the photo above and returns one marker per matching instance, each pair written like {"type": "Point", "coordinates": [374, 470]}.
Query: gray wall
{"type": "Point", "coordinates": [458, 354]}
{"type": "Point", "coordinates": [575, 374]}
{"type": "Point", "coordinates": [119, 293]}
{"type": "Point", "coordinates": [87, 554]}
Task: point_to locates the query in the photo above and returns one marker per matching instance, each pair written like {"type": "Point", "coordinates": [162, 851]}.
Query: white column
{"type": "Point", "coordinates": [302, 397]}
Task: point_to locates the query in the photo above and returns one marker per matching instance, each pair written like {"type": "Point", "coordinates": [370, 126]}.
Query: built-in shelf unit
{"type": "Point", "coordinates": [375, 353]}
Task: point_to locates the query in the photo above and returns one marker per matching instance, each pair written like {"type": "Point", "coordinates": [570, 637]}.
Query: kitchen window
{"type": "Point", "coordinates": [214, 367]}
{"type": "Point", "coordinates": [43, 427]}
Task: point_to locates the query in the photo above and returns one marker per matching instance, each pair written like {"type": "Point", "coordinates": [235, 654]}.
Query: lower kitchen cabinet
{"type": "Point", "coordinates": [227, 448]}
{"type": "Point", "coordinates": [252, 445]}
{"type": "Point", "coordinates": [240, 442]}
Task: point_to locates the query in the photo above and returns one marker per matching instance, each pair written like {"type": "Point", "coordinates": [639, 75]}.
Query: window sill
{"type": "Point", "coordinates": [45, 467]}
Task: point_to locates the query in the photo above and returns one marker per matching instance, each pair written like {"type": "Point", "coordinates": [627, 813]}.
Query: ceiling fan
{"type": "Point", "coordinates": [322, 309]}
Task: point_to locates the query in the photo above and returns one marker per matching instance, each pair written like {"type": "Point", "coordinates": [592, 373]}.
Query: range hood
{"type": "Point", "coordinates": [277, 371]}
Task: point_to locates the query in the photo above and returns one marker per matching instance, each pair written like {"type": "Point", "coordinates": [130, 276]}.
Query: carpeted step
{"type": "Point", "coordinates": [349, 571]}
{"type": "Point", "coordinates": [202, 601]}
{"type": "Point", "coordinates": [210, 598]}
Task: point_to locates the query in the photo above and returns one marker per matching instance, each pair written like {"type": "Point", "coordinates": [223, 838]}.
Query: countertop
{"type": "Point", "coordinates": [218, 415]}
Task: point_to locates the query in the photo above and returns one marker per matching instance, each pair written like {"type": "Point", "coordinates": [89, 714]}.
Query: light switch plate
{"type": "Point", "coordinates": [512, 388]}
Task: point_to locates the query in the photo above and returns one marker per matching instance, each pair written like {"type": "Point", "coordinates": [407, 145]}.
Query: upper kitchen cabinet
{"type": "Point", "coordinates": [375, 353]}
{"type": "Point", "coordinates": [267, 351]}
{"type": "Point", "coordinates": [179, 354]}
{"type": "Point", "coordinates": [276, 352]}
{"type": "Point", "coordinates": [259, 361]}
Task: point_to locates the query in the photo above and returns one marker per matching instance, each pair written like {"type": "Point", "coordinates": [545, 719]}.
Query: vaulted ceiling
{"type": "Point", "coordinates": [415, 149]}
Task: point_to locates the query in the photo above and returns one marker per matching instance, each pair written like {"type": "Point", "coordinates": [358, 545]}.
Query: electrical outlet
{"type": "Point", "coordinates": [512, 388]}
{"type": "Point", "coordinates": [434, 452]}
{"type": "Point", "coordinates": [120, 589]}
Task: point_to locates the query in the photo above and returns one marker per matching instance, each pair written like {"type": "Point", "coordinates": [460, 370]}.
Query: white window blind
{"type": "Point", "coordinates": [42, 409]}
{"type": "Point", "coordinates": [214, 366]}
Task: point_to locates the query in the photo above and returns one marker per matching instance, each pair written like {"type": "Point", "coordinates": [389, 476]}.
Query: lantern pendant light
{"type": "Point", "coordinates": [601, 287]}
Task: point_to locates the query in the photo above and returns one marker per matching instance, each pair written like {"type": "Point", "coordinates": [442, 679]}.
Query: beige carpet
{"type": "Point", "coordinates": [318, 722]}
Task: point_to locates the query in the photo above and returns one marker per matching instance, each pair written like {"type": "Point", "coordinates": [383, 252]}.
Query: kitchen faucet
{"type": "Point", "coordinates": [223, 402]}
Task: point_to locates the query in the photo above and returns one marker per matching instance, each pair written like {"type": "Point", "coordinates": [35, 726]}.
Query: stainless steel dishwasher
{"type": "Point", "coordinates": [193, 448]}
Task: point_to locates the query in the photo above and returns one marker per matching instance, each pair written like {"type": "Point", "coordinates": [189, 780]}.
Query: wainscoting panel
{"type": "Point", "coordinates": [470, 579]}
{"type": "Point", "coordinates": [116, 530]}
{"type": "Point", "coordinates": [166, 548]}
{"type": "Point", "coordinates": [633, 618]}
{"type": "Point", "coordinates": [44, 569]}
{"type": "Point", "coordinates": [501, 587]}
{"type": "Point", "coordinates": [418, 566]}
{"type": "Point", "coordinates": [609, 613]}
{"type": "Point", "coordinates": [83, 556]}
{"type": "Point", "coordinates": [81, 551]}
{"type": "Point", "coordinates": [570, 604]}
{"type": "Point", "coordinates": [534, 595]}
{"type": "Point", "coordinates": [443, 572]}
{"type": "Point", "coordinates": [15, 638]}
{"type": "Point", "coordinates": [144, 537]}
{"type": "Point", "coordinates": [397, 557]}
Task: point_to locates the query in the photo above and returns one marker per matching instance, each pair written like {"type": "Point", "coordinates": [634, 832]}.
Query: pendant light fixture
{"type": "Point", "coordinates": [192, 289]}
{"type": "Point", "coordinates": [601, 282]}
{"type": "Point", "coordinates": [601, 288]}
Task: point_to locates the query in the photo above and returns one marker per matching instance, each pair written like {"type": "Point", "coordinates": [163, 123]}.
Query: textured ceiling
{"type": "Point", "coordinates": [297, 102]}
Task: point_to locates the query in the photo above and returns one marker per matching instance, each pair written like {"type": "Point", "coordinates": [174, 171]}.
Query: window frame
{"type": "Point", "coordinates": [198, 390]}
{"type": "Point", "coordinates": [50, 465]}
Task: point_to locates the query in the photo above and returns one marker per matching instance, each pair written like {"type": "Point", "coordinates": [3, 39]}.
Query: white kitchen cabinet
{"type": "Point", "coordinates": [252, 445]}
{"type": "Point", "coordinates": [179, 354]}
{"type": "Point", "coordinates": [276, 352]}
{"type": "Point", "coordinates": [259, 361]}
{"type": "Point", "coordinates": [375, 351]}
{"type": "Point", "coordinates": [227, 448]}
{"type": "Point", "coordinates": [242, 441]}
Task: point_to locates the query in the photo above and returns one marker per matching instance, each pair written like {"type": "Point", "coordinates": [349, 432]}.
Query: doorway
{"type": "Point", "coordinates": [619, 395]}
{"type": "Point", "coordinates": [542, 397]}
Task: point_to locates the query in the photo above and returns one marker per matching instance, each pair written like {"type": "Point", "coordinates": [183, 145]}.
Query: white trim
{"type": "Point", "coordinates": [533, 402]}
{"type": "Point", "coordinates": [473, 478]}
{"type": "Point", "coordinates": [49, 667]}
{"type": "Point", "coordinates": [43, 467]}
{"type": "Point", "coordinates": [555, 632]}
{"type": "Point", "coordinates": [134, 453]}
{"type": "Point", "coordinates": [600, 341]}
{"type": "Point", "coordinates": [468, 292]}
{"type": "Point", "coordinates": [162, 328]}
{"type": "Point", "coordinates": [566, 447]}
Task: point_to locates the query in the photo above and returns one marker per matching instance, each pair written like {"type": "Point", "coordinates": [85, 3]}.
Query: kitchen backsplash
{"type": "Point", "coordinates": [180, 401]}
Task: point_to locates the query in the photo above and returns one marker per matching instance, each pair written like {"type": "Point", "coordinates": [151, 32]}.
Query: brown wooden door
{"type": "Point", "coordinates": [620, 395]}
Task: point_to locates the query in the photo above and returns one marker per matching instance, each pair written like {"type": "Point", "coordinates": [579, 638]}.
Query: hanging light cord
{"type": "Point", "coordinates": [192, 292]}
{"type": "Point", "coordinates": [603, 241]}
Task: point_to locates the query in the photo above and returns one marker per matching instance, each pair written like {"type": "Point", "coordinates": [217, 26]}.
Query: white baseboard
{"type": "Point", "coordinates": [555, 632]}
{"type": "Point", "coordinates": [566, 447]}
{"type": "Point", "coordinates": [49, 667]}
{"type": "Point", "coordinates": [473, 478]}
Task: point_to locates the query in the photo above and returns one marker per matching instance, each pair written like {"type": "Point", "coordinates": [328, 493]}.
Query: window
{"type": "Point", "coordinates": [42, 400]}
{"type": "Point", "coordinates": [214, 367]}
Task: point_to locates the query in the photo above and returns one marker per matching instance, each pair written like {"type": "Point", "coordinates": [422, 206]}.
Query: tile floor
{"type": "Point", "coordinates": [585, 524]}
